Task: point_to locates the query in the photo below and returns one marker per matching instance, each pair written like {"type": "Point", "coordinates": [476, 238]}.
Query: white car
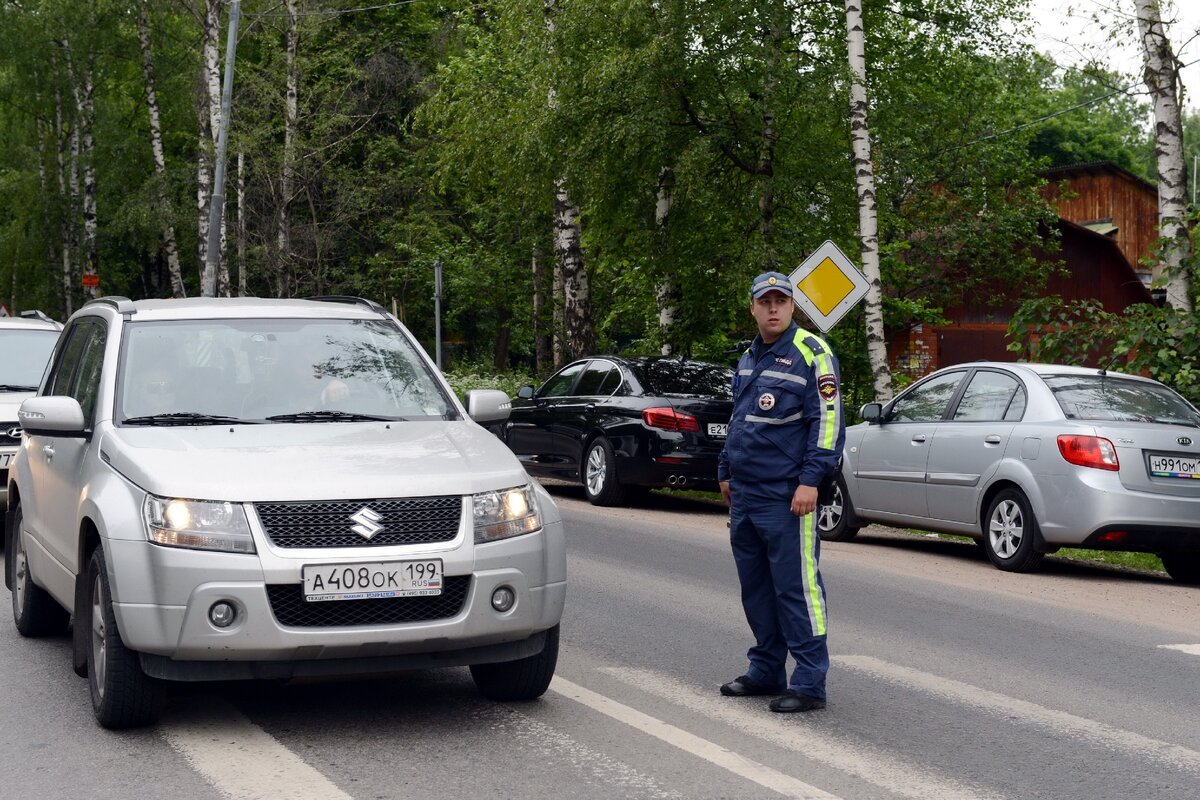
{"type": "Point", "coordinates": [25, 346]}
{"type": "Point", "coordinates": [238, 488]}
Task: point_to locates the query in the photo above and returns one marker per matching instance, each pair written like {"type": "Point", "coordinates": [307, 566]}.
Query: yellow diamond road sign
{"type": "Point", "coordinates": [827, 286]}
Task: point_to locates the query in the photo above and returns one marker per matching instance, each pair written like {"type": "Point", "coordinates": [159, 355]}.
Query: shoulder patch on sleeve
{"type": "Point", "coordinates": [828, 387]}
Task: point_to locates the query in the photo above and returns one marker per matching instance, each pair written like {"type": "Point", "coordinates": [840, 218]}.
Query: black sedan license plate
{"type": "Point", "coordinates": [718, 430]}
{"type": "Point", "coordinates": [1174, 467]}
{"type": "Point", "coordinates": [371, 581]}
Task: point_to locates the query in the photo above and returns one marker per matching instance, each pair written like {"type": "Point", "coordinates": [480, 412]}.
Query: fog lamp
{"type": "Point", "coordinates": [503, 599]}
{"type": "Point", "coordinates": [222, 614]}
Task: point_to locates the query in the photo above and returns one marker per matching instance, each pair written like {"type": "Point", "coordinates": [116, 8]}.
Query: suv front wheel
{"type": "Point", "coordinates": [523, 679]}
{"type": "Point", "coordinates": [123, 696]}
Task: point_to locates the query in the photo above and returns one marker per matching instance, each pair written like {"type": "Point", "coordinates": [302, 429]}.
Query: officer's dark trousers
{"type": "Point", "coordinates": [782, 593]}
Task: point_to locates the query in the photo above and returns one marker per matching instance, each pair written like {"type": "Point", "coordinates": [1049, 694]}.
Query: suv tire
{"type": "Point", "coordinates": [523, 679]}
{"type": "Point", "coordinates": [123, 696]}
{"type": "Point", "coordinates": [35, 612]}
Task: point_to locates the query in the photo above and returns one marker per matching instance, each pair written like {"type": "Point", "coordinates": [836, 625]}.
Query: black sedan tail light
{"type": "Point", "coordinates": [669, 419]}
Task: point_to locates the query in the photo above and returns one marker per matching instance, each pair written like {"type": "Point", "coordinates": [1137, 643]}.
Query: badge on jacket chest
{"type": "Point", "coordinates": [766, 401]}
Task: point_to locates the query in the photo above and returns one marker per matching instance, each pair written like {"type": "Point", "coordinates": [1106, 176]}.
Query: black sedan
{"type": "Point", "coordinates": [624, 424]}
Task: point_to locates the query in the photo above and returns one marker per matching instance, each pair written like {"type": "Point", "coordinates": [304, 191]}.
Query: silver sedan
{"type": "Point", "coordinates": [1027, 459]}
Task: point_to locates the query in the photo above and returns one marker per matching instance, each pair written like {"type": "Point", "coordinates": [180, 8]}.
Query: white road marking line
{"type": "Point", "coordinates": [689, 743]}
{"type": "Point", "coordinates": [1023, 711]}
{"type": "Point", "coordinates": [241, 760]}
{"type": "Point", "coordinates": [1190, 649]}
{"type": "Point", "coordinates": [806, 737]}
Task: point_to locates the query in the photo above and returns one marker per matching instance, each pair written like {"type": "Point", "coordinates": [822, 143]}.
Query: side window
{"type": "Point", "coordinates": [594, 378]}
{"type": "Point", "coordinates": [926, 402]}
{"type": "Point", "coordinates": [987, 398]}
{"type": "Point", "coordinates": [67, 360]}
{"type": "Point", "coordinates": [560, 383]}
{"type": "Point", "coordinates": [612, 381]}
{"type": "Point", "coordinates": [86, 387]}
{"type": "Point", "coordinates": [1016, 409]}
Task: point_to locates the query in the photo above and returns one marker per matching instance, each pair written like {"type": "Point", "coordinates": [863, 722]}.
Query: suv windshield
{"type": "Point", "coordinates": [23, 357]}
{"type": "Point", "coordinates": [1099, 397]}
{"type": "Point", "coordinates": [694, 378]}
{"type": "Point", "coordinates": [293, 370]}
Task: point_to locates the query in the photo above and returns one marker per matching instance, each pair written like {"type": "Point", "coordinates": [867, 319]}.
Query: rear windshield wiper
{"type": "Point", "coordinates": [329, 416]}
{"type": "Point", "coordinates": [16, 387]}
{"type": "Point", "coordinates": [187, 418]}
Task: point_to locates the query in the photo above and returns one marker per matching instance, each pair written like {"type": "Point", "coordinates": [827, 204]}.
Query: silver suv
{"type": "Point", "coordinates": [25, 346]}
{"type": "Point", "coordinates": [241, 488]}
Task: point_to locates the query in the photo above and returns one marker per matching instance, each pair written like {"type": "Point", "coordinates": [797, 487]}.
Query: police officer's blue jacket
{"type": "Point", "coordinates": [787, 419]}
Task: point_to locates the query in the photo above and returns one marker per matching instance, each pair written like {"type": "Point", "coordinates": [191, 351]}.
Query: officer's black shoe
{"type": "Point", "coordinates": [794, 701]}
{"type": "Point", "coordinates": [744, 687]}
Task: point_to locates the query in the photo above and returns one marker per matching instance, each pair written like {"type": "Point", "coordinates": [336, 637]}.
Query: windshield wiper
{"type": "Point", "coordinates": [329, 416]}
{"type": "Point", "coordinates": [16, 387]}
{"type": "Point", "coordinates": [187, 418]}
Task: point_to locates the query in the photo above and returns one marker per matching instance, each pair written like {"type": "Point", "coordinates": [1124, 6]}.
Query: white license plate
{"type": "Point", "coordinates": [6, 459]}
{"type": "Point", "coordinates": [359, 581]}
{"type": "Point", "coordinates": [1174, 467]}
{"type": "Point", "coordinates": [718, 430]}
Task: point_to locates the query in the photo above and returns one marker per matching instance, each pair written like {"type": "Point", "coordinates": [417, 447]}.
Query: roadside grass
{"type": "Point", "coordinates": [1143, 561]}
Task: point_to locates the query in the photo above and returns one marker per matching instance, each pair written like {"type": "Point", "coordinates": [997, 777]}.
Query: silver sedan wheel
{"type": "Point", "coordinates": [596, 470]}
{"type": "Point", "coordinates": [99, 661]}
{"type": "Point", "coordinates": [1006, 528]}
{"type": "Point", "coordinates": [831, 513]}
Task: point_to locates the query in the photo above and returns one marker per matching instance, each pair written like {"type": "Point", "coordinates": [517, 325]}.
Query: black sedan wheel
{"type": "Point", "coordinates": [1183, 567]}
{"type": "Point", "coordinates": [1010, 533]}
{"type": "Point", "coordinates": [832, 520]}
{"type": "Point", "coordinates": [600, 474]}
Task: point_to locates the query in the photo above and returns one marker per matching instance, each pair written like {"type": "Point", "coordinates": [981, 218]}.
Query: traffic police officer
{"type": "Point", "coordinates": [785, 439]}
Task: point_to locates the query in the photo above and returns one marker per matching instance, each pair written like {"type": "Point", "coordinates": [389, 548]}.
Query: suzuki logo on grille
{"type": "Point", "coordinates": [1183, 440]}
{"type": "Point", "coordinates": [368, 522]}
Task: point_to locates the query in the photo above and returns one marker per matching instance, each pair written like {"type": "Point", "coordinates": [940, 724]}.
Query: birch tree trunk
{"type": "Point", "coordinates": [156, 147]}
{"type": "Point", "coordinates": [65, 196]}
{"type": "Point", "coordinates": [558, 345]}
{"type": "Point", "coordinates": [568, 236]}
{"type": "Point", "coordinates": [208, 114]}
{"type": "Point", "coordinates": [868, 222]}
{"type": "Point", "coordinates": [1162, 78]}
{"type": "Point", "coordinates": [665, 291]}
{"type": "Point", "coordinates": [83, 148]}
{"type": "Point", "coordinates": [290, 114]}
{"type": "Point", "coordinates": [241, 223]}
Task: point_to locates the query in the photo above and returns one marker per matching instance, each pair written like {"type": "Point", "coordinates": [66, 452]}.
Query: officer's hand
{"type": "Point", "coordinates": [725, 491]}
{"type": "Point", "coordinates": [804, 501]}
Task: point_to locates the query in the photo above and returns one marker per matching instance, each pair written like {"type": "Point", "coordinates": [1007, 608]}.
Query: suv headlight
{"type": "Point", "coordinates": [199, 524]}
{"type": "Point", "coordinates": [505, 513]}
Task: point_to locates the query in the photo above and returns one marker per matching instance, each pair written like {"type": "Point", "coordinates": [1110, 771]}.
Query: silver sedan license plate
{"type": "Point", "coordinates": [1174, 467]}
{"type": "Point", "coordinates": [718, 430]}
{"type": "Point", "coordinates": [371, 581]}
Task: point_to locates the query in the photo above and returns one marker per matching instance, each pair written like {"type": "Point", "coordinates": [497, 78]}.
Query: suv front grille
{"type": "Point", "coordinates": [409, 520]}
{"type": "Point", "coordinates": [290, 608]}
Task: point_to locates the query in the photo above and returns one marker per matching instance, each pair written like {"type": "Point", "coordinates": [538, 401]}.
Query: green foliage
{"type": "Point", "coordinates": [1161, 343]}
{"type": "Point", "coordinates": [477, 375]}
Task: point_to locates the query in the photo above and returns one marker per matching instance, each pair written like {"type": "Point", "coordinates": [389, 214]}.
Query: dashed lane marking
{"type": "Point", "coordinates": [241, 760]}
{"type": "Point", "coordinates": [807, 737]}
{"type": "Point", "coordinates": [689, 743]}
{"type": "Point", "coordinates": [1022, 711]}
{"type": "Point", "coordinates": [1190, 649]}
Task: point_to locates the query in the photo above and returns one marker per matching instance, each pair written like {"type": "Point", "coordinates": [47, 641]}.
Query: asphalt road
{"type": "Point", "coordinates": [950, 679]}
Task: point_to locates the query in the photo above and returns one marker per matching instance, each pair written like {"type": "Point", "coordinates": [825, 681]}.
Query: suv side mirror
{"type": "Point", "coordinates": [52, 416]}
{"type": "Point", "coordinates": [525, 393]}
{"type": "Point", "coordinates": [872, 413]}
{"type": "Point", "coordinates": [488, 405]}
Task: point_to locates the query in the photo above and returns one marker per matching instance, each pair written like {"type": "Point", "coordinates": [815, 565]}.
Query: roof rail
{"type": "Point", "coordinates": [350, 300]}
{"type": "Point", "coordinates": [123, 305]}
{"type": "Point", "coordinates": [35, 314]}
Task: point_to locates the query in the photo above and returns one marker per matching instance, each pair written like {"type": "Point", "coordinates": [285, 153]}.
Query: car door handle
{"type": "Point", "coordinates": [993, 439]}
{"type": "Point", "coordinates": [919, 438]}
{"type": "Point", "coordinates": [48, 451]}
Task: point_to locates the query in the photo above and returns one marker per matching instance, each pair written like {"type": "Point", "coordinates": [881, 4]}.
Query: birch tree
{"type": "Point", "coordinates": [160, 162]}
{"type": "Point", "coordinates": [868, 221]}
{"type": "Point", "coordinates": [290, 114]}
{"type": "Point", "coordinates": [1162, 77]}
